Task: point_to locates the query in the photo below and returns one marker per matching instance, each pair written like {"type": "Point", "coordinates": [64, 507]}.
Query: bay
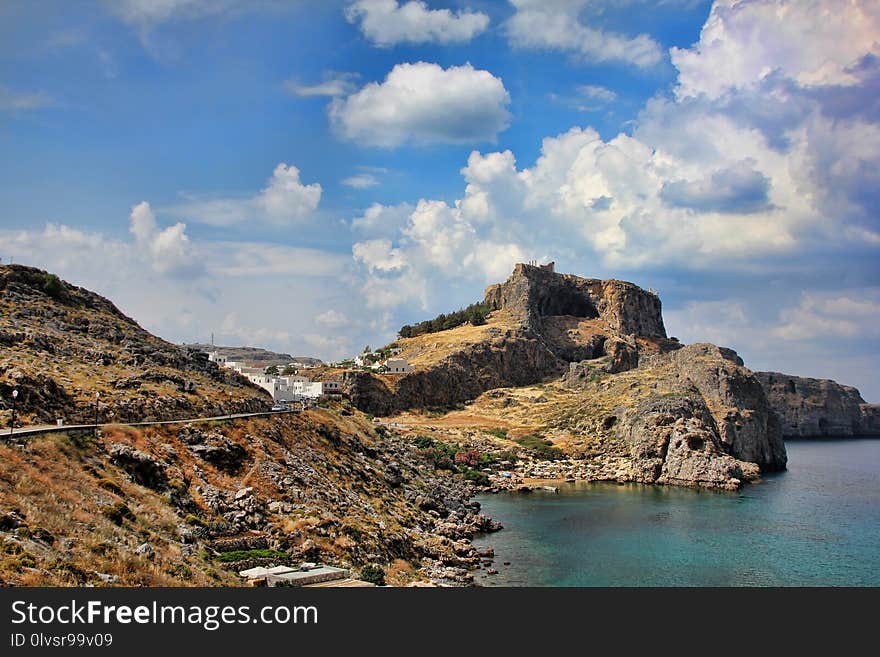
{"type": "Point", "coordinates": [817, 524]}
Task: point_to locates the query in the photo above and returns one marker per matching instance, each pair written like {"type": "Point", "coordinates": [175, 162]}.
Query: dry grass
{"type": "Point", "coordinates": [430, 348]}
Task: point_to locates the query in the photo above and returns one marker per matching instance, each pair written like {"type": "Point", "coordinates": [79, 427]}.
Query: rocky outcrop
{"type": "Point", "coordinates": [534, 292]}
{"type": "Point", "coordinates": [676, 441]}
{"type": "Point", "coordinates": [517, 358]}
{"type": "Point", "coordinates": [560, 318]}
{"type": "Point", "coordinates": [747, 425]}
{"type": "Point", "coordinates": [819, 408]}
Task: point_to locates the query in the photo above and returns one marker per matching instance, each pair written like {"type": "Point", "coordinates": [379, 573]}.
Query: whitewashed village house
{"type": "Point", "coordinates": [282, 388]}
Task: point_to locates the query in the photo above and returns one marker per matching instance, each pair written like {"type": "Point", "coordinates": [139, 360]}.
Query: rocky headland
{"type": "Point", "coordinates": [819, 408]}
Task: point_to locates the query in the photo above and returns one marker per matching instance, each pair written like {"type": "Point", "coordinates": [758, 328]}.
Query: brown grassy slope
{"type": "Point", "coordinates": [60, 344]}
{"type": "Point", "coordinates": [572, 419]}
{"type": "Point", "coordinates": [324, 487]}
{"type": "Point", "coordinates": [428, 349]}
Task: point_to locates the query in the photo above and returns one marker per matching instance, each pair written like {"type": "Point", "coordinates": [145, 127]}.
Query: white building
{"type": "Point", "coordinates": [216, 357]}
{"type": "Point", "coordinates": [394, 366]}
{"type": "Point", "coordinates": [331, 387]}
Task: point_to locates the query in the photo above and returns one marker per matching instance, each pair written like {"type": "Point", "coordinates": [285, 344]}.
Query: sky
{"type": "Point", "coordinates": [309, 175]}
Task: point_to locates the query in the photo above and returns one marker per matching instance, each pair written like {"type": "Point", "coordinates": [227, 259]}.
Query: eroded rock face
{"type": "Point", "coordinates": [534, 292]}
{"type": "Point", "coordinates": [515, 359]}
{"type": "Point", "coordinates": [818, 408]}
{"type": "Point", "coordinates": [747, 425]}
{"type": "Point", "coordinates": [676, 441]}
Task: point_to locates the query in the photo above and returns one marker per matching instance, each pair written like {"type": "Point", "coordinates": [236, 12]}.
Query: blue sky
{"type": "Point", "coordinates": [308, 175]}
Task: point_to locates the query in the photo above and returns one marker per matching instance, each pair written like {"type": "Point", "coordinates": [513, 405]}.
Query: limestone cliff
{"type": "Point", "coordinates": [819, 408]}
{"type": "Point", "coordinates": [535, 292]}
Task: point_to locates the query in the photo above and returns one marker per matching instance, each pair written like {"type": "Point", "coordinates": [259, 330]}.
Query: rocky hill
{"type": "Point", "coordinates": [195, 503]}
{"type": "Point", "coordinates": [819, 408]}
{"type": "Point", "coordinates": [256, 356]}
{"type": "Point", "coordinates": [60, 344]}
{"type": "Point", "coordinates": [541, 321]}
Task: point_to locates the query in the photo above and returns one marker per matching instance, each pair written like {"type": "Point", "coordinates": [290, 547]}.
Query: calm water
{"type": "Point", "coordinates": [818, 524]}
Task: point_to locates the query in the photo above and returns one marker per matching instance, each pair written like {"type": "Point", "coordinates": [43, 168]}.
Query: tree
{"type": "Point", "coordinates": [272, 370]}
{"type": "Point", "coordinates": [367, 349]}
{"type": "Point", "coordinates": [288, 370]}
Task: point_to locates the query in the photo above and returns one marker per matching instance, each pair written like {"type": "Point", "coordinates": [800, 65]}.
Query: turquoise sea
{"type": "Point", "coordinates": [817, 524]}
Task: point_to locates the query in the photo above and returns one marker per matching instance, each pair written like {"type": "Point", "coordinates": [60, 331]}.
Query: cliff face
{"type": "Point", "coordinates": [747, 425]}
{"type": "Point", "coordinates": [59, 344]}
{"type": "Point", "coordinates": [535, 292]}
{"type": "Point", "coordinates": [514, 359]}
{"type": "Point", "coordinates": [704, 420]}
{"type": "Point", "coordinates": [816, 408]}
{"type": "Point", "coordinates": [675, 440]}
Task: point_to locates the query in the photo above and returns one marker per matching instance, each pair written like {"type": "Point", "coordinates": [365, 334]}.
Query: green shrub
{"type": "Point", "coordinates": [195, 521]}
{"type": "Point", "coordinates": [475, 313]}
{"type": "Point", "coordinates": [475, 476]}
{"type": "Point", "coordinates": [423, 442]}
{"type": "Point", "coordinates": [117, 513]}
{"type": "Point", "coordinates": [540, 447]}
{"type": "Point", "coordinates": [498, 433]}
{"type": "Point", "coordinates": [373, 574]}
{"type": "Point", "coordinates": [441, 455]}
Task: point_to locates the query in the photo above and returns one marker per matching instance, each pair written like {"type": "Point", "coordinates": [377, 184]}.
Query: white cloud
{"type": "Point", "coordinates": [168, 249]}
{"type": "Point", "coordinates": [379, 255]}
{"type": "Point", "coordinates": [259, 294]}
{"type": "Point", "coordinates": [556, 25]}
{"type": "Point", "coordinates": [387, 23]}
{"type": "Point", "coordinates": [20, 101]}
{"type": "Point", "coordinates": [334, 84]}
{"type": "Point", "coordinates": [284, 201]}
{"type": "Point", "coordinates": [423, 103]}
{"type": "Point", "coordinates": [831, 315]}
{"type": "Point", "coordinates": [331, 318]}
{"type": "Point", "coordinates": [813, 42]}
{"type": "Point", "coordinates": [597, 92]}
{"type": "Point", "coordinates": [361, 181]}
{"type": "Point", "coordinates": [382, 220]}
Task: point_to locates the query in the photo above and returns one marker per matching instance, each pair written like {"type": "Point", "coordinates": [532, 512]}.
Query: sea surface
{"type": "Point", "coordinates": [817, 524]}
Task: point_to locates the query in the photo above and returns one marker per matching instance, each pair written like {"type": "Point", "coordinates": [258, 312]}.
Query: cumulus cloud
{"type": "Point", "coordinates": [423, 103]}
{"type": "Point", "coordinates": [813, 42]}
{"type": "Point", "coordinates": [382, 220]}
{"type": "Point", "coordinates": [331, 318]}
{"type": "Point", "coordinates": [387, 22]}
{"type": "Point", "coordinates": [168, 249]}
{"type": "Point", "coordinates": [736, 189]}
{"type": "Point", "coordinates": [379, 255]}
{"type": "Point", "coordinates": [284, 201]}
{"type": "Point", "coordinates": [556, 25]}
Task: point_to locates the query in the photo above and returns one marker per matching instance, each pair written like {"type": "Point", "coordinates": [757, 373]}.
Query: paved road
{"type": "Point", "coordinates": [36, 430]}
